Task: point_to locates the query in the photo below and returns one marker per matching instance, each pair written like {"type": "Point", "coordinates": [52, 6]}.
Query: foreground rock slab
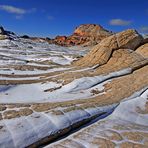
{"type": "Point", "coordinates": [117, 130]}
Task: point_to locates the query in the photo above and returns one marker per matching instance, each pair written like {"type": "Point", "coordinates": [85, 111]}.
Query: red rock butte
{"type": "Point", "coordinates": [86, 35]}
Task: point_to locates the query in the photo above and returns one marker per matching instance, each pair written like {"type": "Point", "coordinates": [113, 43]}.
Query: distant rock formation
{"type": "Point", "coordinates": [37, 39]}
{"type": "Point", "coordinates": [25, 37]}
{"type": "Point", "coordinates": [2, 31]}
{"type": "Point", "coordinates": [86, 35]}
{"type": "Point", "coordinates": [4, 34]}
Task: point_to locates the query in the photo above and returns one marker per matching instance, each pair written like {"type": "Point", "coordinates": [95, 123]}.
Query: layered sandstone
{"type": "Point", "coordinates": [86, 35]}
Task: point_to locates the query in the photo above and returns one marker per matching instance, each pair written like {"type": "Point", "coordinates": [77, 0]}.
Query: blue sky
{"type": "Point", "coordinates": [60, 17]}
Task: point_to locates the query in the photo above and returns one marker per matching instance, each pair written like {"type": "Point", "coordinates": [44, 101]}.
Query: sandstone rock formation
{"type": "Point", "coordinates": [86, 35]}
{"type": "Point", "coordinates": [102, 52]}
{"type": "Point", "coordinates": [115, 72]}
{"type": "Point", "coordinates": [91, 30]}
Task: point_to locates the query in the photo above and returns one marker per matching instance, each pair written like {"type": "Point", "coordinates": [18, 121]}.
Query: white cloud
{"type": "Point", "coordinates": [119, 22]}
{"type": "Point", "coordinates": [12, 9]}
{"type": "Point", "coordinates": [144, 29]}
{"type": "Point", "coordinates": [18, 12]}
